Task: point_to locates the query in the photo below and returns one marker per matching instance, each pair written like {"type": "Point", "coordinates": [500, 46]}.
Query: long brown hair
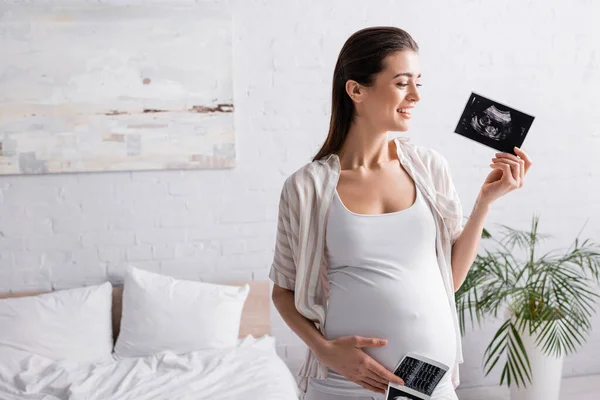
{"type": "Point", "coordinates": [360, 59]}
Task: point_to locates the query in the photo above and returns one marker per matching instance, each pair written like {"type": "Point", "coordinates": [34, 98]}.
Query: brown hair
{"type": "Point", "coordinates": [360, 59]}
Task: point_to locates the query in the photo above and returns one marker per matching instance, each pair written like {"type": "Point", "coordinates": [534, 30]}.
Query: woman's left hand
{"type": "Point", "coordinates": [508, 174]}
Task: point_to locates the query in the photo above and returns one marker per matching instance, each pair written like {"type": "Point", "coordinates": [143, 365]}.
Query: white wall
{"type": "Point", "coordinates": [542, 57]}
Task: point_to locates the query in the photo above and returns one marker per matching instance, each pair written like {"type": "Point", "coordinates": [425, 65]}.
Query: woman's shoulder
{"type": "Point", "coordinates": [431, 158]}
{"type": "Point", "coordinates": [311, 174]}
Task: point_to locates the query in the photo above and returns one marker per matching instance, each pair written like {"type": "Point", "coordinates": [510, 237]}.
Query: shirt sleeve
{"type": "Point", "coordinates": [283, 268]}
{"type": "Point", "coordinates": [449, 201]}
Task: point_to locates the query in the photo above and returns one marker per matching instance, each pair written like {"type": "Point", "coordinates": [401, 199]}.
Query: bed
{"type": "Point", "coordinates": [250, 370]}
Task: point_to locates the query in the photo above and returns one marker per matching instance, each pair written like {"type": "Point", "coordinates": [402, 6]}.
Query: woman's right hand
{"type": "Point", "coordinates": [345, 356]}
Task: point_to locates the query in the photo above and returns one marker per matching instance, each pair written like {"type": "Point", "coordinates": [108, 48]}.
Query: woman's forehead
{"type": "Point", "coordinates": [402, 63]}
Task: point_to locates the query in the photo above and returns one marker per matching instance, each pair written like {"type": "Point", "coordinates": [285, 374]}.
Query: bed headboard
{"type": "Point", "coordinates": [256, 316]}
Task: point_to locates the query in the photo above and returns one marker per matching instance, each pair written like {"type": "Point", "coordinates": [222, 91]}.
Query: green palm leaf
{"type": "Point", "coordinates": [550, 297]}
{"type": "Point", "coordinates": [517, 365]}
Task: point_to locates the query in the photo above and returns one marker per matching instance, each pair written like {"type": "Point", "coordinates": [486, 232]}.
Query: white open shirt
{"type": "Point", "coordinates": [299, 262]}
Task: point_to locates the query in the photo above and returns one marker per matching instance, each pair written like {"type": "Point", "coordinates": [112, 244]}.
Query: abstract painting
{"type": "Point", "coordinates": [99, 87]}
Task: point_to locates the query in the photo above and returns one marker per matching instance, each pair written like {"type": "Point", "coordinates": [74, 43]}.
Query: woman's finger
{"type": "Point", "coordinates": [515, 166]}
{"type": "Point", "coordinates": [524, 157]}
{"type": "Point", "coordinates": [507, 156]}
{"type": "Point", "coordinates": [506, 172]}
{"type": "Point", "coordinates": [366, 385]}
{"type": "Point", "coordinates": [383, 375]}
{"type": "Point", "coordinates": [375, 383]}
{"type": "Point", "coordinates": [518, 159]}
{"type": "Point", "coordinates": [522, 170]}
{"type": "Point", "coordinates": [372, 374]}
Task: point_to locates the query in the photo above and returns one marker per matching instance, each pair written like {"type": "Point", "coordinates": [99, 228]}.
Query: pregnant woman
{"type": "Point", "coordinates": [370, 243]}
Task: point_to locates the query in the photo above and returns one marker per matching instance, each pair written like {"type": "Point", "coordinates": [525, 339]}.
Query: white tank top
{"type": "Point", "coordinates": [385, 282]}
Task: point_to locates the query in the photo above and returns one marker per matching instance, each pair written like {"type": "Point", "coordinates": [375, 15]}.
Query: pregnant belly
{"type": "Point", "coordinates": [410, 310]}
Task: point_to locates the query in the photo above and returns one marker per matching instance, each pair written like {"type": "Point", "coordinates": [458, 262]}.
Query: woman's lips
{"type": "Point", "coordinates": [405, 115]}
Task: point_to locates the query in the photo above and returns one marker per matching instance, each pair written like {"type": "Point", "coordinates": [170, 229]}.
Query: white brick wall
{"type": "Point", "coordinates": [540, 56]}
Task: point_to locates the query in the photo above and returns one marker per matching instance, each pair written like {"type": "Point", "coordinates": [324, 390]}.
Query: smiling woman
{"type": "Point", "coordinates": [362, 266]}
{"type": "Point", "coordinates": [377, 91]}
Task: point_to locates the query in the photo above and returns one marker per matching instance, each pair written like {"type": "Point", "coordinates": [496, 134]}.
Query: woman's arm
{"type": "Point", "coordinates": [466, 246]}
{"type": "Point", "coordinates": [344, 355]}
{"type": "Point", "coordinates": [302, 326]}
{"type": "Point", "coordinates": [508, 174]}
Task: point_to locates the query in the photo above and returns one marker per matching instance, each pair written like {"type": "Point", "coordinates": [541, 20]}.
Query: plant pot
{"type": "Point", "coordinates": [546, 374]}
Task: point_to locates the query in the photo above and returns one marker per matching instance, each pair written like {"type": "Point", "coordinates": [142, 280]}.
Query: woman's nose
{"type": "Point", "coordinates": [414, 95]}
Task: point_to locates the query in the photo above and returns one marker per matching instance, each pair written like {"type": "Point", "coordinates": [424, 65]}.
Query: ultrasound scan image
{"type": "Point", "coordinates": [493, 124]}
{"type": "Point", "coordinates": [396, 394]}
{"type": "Point", "coordinates": [419, 375]}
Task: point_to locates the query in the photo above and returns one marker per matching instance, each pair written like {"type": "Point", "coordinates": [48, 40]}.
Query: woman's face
{"type": "Point", "coordinates": [395, 89]}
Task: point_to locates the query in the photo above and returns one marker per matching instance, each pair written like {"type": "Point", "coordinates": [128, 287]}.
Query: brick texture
{"type": "Point", "coordinates": [541, 57]}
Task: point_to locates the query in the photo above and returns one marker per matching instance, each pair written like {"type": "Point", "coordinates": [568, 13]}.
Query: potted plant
{"type": "Point", "coordinates": [546, 301]}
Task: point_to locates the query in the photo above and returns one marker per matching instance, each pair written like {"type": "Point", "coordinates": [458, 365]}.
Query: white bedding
{"type": "Point", "coordinates": [252, 370]}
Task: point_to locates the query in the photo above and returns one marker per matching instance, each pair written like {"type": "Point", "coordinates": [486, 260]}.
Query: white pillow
{"type": "Point", "coordinates": [72, 324]}
{"type": "Point", "coordinates": [161, 313]}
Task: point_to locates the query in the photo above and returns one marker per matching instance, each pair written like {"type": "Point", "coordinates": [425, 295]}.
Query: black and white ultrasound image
{"type": "Point", "coordinates": [493, 124]}
{"type": "Point", "coordinates": [419, 375]}
{"type": "Point", "coordinates": [396, 394]}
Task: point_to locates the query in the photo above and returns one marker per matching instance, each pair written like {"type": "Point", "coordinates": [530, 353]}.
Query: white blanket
{"type": "Point", "coordinates": [253, 370]}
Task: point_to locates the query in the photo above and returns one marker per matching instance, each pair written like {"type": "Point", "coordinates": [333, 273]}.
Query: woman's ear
{"type": "Point", "coordinates": [354, 90]}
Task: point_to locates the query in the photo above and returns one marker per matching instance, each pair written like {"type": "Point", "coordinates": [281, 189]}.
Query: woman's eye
{"type": "Point", "coordinates": [406, 84]}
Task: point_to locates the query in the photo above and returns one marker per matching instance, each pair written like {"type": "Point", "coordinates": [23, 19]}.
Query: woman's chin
{"type": "Point", "coordinates": [402, 127]}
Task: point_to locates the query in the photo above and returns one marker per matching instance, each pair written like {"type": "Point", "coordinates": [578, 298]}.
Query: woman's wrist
{"type": "Point", "coordinates": [482, 204]}
{"type": "Point", "coordinates": [320, 347]}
